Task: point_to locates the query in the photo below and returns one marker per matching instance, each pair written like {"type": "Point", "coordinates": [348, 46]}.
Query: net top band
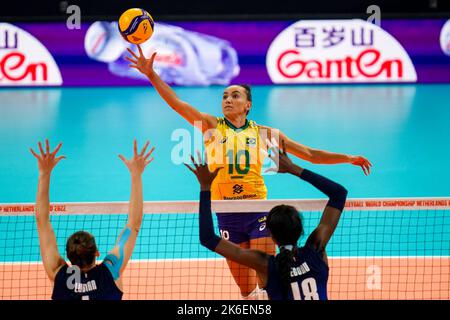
{"type": "Point", "coordinates": [244, 206]}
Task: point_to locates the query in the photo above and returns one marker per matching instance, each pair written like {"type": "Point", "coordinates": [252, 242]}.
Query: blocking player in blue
{"type": "Point", "coordinates": [84, 279]}
{"type": "Point", "coordinates": [295, 273]}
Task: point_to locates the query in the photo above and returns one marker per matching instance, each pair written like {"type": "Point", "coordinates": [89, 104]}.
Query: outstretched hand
{"type": "Point", "coordinates": [280, 158]}
{"type": "Point", "coordinates": [201, 171]}
{"type": "Point", "coordinates": [137, 164]}
{"type": "Point", "coordinates": [362, 162]}
{"type": "Point", "coordinates": [47, 160]}
{"type": "Point", "coordinates": [141, 63]}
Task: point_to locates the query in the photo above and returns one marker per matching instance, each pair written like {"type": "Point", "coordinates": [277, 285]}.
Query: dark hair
{"type": "Point", "coordinates": [285, 225]}
{"type": "Point", "coordinates": [81, 249]}
{"type": "Point", "coordinates": [248, 92]}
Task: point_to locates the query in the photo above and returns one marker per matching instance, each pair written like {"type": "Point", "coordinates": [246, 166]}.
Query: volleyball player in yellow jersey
{"type": "Point", "coordinates": [238, 144]}
{"type": "Point", "coordinates": [241, 152]}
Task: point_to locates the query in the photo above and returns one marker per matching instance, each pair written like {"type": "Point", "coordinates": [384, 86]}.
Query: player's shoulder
{"type": "Point", "coordinates": [253, 124]}
{"type": "Point", "coordinates": [209, 120]}
{"type": "Point", "coordinates": [61, 270]}
{"type": "Point", "coordinates": [221, 121]}
{"type": "Point", "coordinates": [264, 127]}
{"type": "Point", "coordinates": [311, 253]}
{"type": "Point", "coordinates": [267, 131]}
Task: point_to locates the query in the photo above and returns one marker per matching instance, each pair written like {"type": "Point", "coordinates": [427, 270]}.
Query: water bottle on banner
{"type": "Point", "coordinates": [184, 57]}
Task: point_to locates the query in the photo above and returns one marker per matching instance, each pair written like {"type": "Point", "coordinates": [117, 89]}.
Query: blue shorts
{"type": "Point", "coordinates": [242, 227]}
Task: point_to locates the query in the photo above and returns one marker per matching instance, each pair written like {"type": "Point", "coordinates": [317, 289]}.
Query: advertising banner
{"type": "Point", "coordinates": [223, 52]}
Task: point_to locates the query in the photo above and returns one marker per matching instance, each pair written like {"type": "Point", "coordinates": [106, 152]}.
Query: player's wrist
{"type": "Point", "coordinates": [44, 174]}
{"type": "Point", "coordinates": [205, 187]}
{"type": "Point", "coordinates": [295, 170]}
{"type": "Point", "coordinates": [150, 74]}
{"type": "Point", "coordinates": [351, 159]}
{"type": "Point", "coordinates": [135, 174]}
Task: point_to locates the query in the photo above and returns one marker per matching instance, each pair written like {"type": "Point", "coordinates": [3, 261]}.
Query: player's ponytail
{"type": "Point", "coordinates": [285, 226]}
{"type": "Point", "coordinates": [284, 261]}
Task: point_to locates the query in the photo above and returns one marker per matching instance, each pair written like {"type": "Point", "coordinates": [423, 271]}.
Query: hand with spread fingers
{"type": "Point", "coordinates": [140, 62]}
{"type": "Point", "coordinates": [281, 159]}
{"type": "Point", "coordinates": [139, 162]}
{"type": "Point", "coordinates": [201, 171]}
{"type": "Point", "coordinates": [47, 160]}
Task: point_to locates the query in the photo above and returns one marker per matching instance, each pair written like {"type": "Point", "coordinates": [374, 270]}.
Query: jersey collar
{"type": "Point", "coordinates": [245, 126]}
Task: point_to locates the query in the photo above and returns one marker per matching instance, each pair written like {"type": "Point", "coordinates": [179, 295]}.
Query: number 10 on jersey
{"type": "Point", "coordinates": [234, 165]}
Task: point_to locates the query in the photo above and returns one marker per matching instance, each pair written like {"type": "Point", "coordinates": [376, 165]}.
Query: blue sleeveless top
{"type": "Point", "coordinates": [309, 277]}
{"type": "Point", "coordinates": [96, 284]}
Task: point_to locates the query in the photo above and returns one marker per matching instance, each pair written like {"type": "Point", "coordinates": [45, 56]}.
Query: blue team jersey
{"type": "Point", "coordinates": [309, 277]}
{"type": "Point", "coordinates": [96, 284]}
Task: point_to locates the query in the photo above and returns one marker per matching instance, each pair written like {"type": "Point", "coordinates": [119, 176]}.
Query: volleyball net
{"type": "Point", "coordinates": [381, 249]}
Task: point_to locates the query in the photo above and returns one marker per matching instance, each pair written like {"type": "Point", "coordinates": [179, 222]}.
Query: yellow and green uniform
{"type": "Point", "coordinates": [240, 152]}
